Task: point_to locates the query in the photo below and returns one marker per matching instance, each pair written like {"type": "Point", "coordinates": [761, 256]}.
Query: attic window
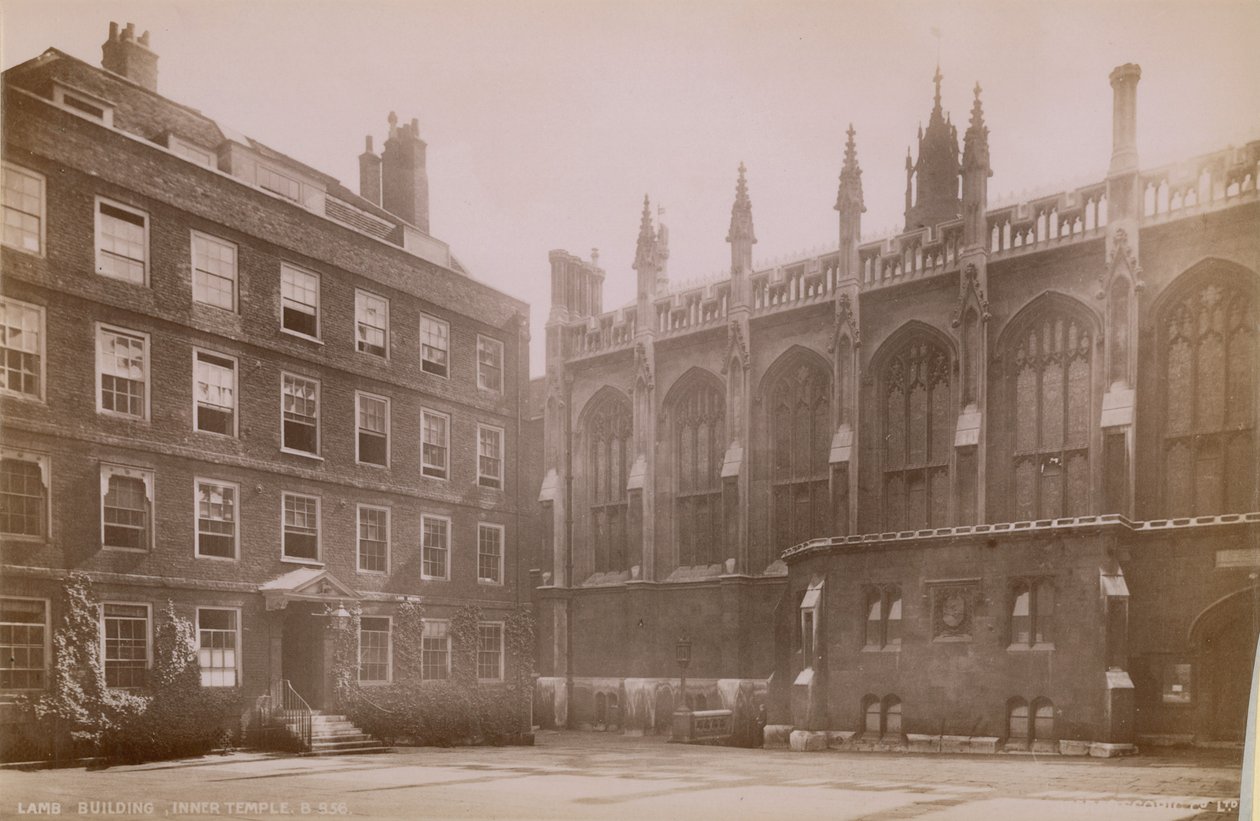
{"type": "Point", "coordinates": [83, 103]}
{"type": "Point", "coordinates": [277, 183]}
{"type": "Point", "coordinates": [192, 153]}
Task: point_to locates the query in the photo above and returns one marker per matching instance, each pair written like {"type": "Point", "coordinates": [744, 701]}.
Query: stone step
{"type": "Point", "coordinates": [351, 751]}
{"type": "Point", "coordinates": [345, 745]}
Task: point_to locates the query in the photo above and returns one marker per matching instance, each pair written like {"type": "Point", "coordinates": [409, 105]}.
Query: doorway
{"type": "Point", "coordinates": [1226, 637]}
{"type": "Point", "coordinates": [302, 656]}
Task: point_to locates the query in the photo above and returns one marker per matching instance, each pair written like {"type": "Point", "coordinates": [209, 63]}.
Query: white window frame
{"type": "Point", "coordinates": [236, 401]}
{"type": "Point", "coordinates": [319, 287]}
{"type": "Point", "coordinates": [319, 530]}
{"type": "Point", "coordinates": [43, 208]}
{"type": "Point", "coordinates": [101, 330]}
{"type": "Point", "coordinates": [502, 531]}
{"type": "Point", "coordinates": [239, 649]}
{"type": "Point", "coordinates": [502, 465]}
{"type": "Point", "coordinates": [431, 318]}
{"type": "Point", "coordinates": [271, 169]}
{"type": "Point", "coordinates": [41, 353]}
{"type": "Point", "coordinates": [450, 538]}
{"type": "Point", "coordinates": [148, 637]}
{"type": "Point", "coordinates": [100, 235]}
{"type": "Point", "coordinates": [502, 648]}
{"type": "Point", "coordinates": [360, 293]}
{"type": "Point", "coordinates": [359, 396]}
{"type": "Point", "coordinates": [146, 476]}
{"type": "Point", "coordinates": [194, 154]}
{"type": "Point", "coordinates": [447, 668]}
{"type": "Point", "coordinates": [236, 520]}
{"type": "Point", "coordinates": [236, 269]}
{"type": "Point", "coordinates": [481, 339]}
{"type": "Point", "coordinates": [47, 645]}
{"type": "Point", "coordinates": [318, 402]}
{"type": "Point", "coordinates": [61, 92]}
{"type": "Point", "coordinates": [446, 466]}
{"type": "Point", "coordinates": [358, 538]}
{"type": "Point", "coordinates": [42, 461]}
{"type": "Point", "coordinates": [389, 653]}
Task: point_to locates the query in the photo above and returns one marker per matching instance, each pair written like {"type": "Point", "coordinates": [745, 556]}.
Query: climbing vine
{"type": "Point", "coordinates": [408, 642]}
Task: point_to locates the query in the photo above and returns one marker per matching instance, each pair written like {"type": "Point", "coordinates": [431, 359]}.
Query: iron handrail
{"type": "Point", "coordinates": [295, 713]}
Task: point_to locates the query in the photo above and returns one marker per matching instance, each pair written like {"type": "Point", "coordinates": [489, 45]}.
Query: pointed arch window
{"type": "Point", "coordinates": [1050, 409]}
{"type": "Point", "coordinates": [1208, 365]}
{"type": "Point", "coordinates": [608, 431]}
{"type": "Point", "coordinates": [918, 426]}
{"type": "Point", "coordinates": [800, 444]}
{"type": "Point", "coordinates": [698, 418]}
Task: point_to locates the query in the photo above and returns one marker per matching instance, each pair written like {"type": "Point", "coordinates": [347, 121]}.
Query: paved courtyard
{"type": "Point", "coordinates": [596, 776]}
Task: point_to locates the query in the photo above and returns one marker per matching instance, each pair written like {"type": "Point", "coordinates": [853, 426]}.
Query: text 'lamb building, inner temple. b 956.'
{"type": "Point", "coordinates": [987, 484]}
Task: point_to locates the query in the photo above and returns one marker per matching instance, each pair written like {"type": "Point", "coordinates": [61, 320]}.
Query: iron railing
{"type": "Point", "coordinates": [284, 717]}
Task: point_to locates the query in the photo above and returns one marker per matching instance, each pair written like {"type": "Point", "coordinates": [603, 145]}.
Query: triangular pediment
{"type": "Point", "coordinates": [305, 584]}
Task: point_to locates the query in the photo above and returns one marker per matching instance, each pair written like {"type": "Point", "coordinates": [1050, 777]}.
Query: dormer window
{"type": "Point", "coordinates": [83, 103]}
{"type": "Point", "coordinates": [193, 153]}
{"type": "Point", "coordinates": [271, 180]}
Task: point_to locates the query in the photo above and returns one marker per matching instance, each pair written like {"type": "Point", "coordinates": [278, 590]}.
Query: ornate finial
{"type": "Point", "coordinates": [741, 210]}
{"type": "Point", "coordinates": [976, 140]}
{"type": "Point", "coordinates": [645, 251]}
{"type": "Point", "coordinates": [937, 79]}
{"type": "Point", "coordinates": [850, 193]}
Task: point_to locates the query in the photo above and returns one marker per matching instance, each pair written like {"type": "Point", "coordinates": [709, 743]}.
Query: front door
{"type": "Point", "coordinates": [1227, 653]}
{"type": "Point", "coordinates": [302, 658]}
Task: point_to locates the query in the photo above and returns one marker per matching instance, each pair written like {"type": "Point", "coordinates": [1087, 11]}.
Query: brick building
{"type": "Point", "coordinates": [990, 482]}
{"type": "Point", "coordinates": [230, 382]}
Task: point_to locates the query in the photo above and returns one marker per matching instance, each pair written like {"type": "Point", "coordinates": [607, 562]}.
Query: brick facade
{"type": "Point", "coordinates": [132, 162]}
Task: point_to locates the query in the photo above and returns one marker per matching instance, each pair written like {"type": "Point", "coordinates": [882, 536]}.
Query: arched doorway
{"type": "Point", "coordinates": [1224, 637]}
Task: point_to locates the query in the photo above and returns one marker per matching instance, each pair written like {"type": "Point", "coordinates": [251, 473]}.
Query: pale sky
{"type": "Point", "coordinates": [548, 120]}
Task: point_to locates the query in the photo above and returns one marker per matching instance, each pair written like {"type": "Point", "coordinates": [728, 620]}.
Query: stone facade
{"type": "Point", "coordinates": [987, 484]}
{"type": "Point", "coordinates": [251, 501]}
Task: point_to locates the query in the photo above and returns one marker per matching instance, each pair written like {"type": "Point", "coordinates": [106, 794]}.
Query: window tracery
{"type": "Point", "coordinates": [918, 428]}
{"type": "Point", "coordinates": [800, 439]}
{"type": "Point", "coordinates": [608, 430]}
{"type": "Point", "coordinates": [698, 418]}
{"type": "Point", "coordinates": [1209, 363]}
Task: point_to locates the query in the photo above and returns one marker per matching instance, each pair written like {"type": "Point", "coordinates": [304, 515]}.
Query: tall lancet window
{"type": "Point", "coordinates": [698, 420]}
{"type": "Point", "coordinates": [1208, 367]}
{"type": "Point", "coordinates": [608, 429]}
{"type": "Point", "coordinates": [800, 438]}
{"type": "Point", "coordinates": [918, 428]}
{"type": "Point", "coordinates": [1049, 361]}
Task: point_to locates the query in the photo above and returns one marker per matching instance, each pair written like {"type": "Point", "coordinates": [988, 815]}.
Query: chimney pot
{"type": "Point", "coordinates": [124, 55]}
{"type": "Point", "coordinates": [404, 179]}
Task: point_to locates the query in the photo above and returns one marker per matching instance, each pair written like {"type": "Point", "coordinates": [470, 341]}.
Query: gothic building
{"type": "Point", "coordinates": [990, 483]}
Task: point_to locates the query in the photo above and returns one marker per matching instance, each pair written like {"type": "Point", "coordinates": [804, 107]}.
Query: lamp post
{"type": "Point", "coordinates": [682, 713]}
{"type": "Point", "coordinates": [682, 654]}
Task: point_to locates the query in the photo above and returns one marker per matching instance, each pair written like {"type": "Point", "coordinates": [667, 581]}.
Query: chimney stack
{"type": "Point", "coordinates": [404, 180]}
{"type": "Point", "coordinates": [130, 57]}
{"type": "Point", "coordinates": [1124, 153]}
{"type": "Point", "coordinates": [370, 174]}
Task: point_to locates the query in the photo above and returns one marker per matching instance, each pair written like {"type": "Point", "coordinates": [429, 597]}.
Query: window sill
{"type": "Point", "coordinates": [122, 417]}
{"type": "Point", "coordinates": [298, 335]}
{"type": "Point", "coordinates": [371, 465]}
{"type": "Point", "coordinates": [1043, 647]}
{"type": "Point", "coordinates": [113, 549]}
{"type": "Point", "coordinates": [306, 562]}
{"type": "Point", "coordinates": [489, 583]}
{"type": "Point", "coordinates": [497, 488]}
{"type": "Point", "coordinates": [215, 433]}
{"type": "Point", "coordinates": [303, 453]}
{"type": "Point", "coordinates": [25, 397]}
{"type": "Point", "coordinates": [425, 578]}
{"type": "Point", "coordinates": [490, 681]}
{"type": "Point", "coordinates": [22, 538]}
{"type": "Point", "coordinates": [215, 558]}
{"type": "Point", "coordinates": [384, 683]}
{"type": "Point", "coordinates": [363, 572]}
{"type": "Point", "coordinates": [886, 648]}
{"type": "Point", "coordinates": [133, 283]}
{"type": "Point", "coordinates": [435, 478]}
{"type": "Point", "coordinates": [21, 250]}
{"type": "Point", "coordinates": [428, 372]}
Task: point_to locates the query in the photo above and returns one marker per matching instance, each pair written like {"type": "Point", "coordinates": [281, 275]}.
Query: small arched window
{"type": "Point", "coordinates": [1043, 720]}
{"type": "Point", "coordinates": [871, 715]}
{"type": "Point", "coordinates": [892, 716]}
{"type": "Point", "coordinates": [1017, 720]}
